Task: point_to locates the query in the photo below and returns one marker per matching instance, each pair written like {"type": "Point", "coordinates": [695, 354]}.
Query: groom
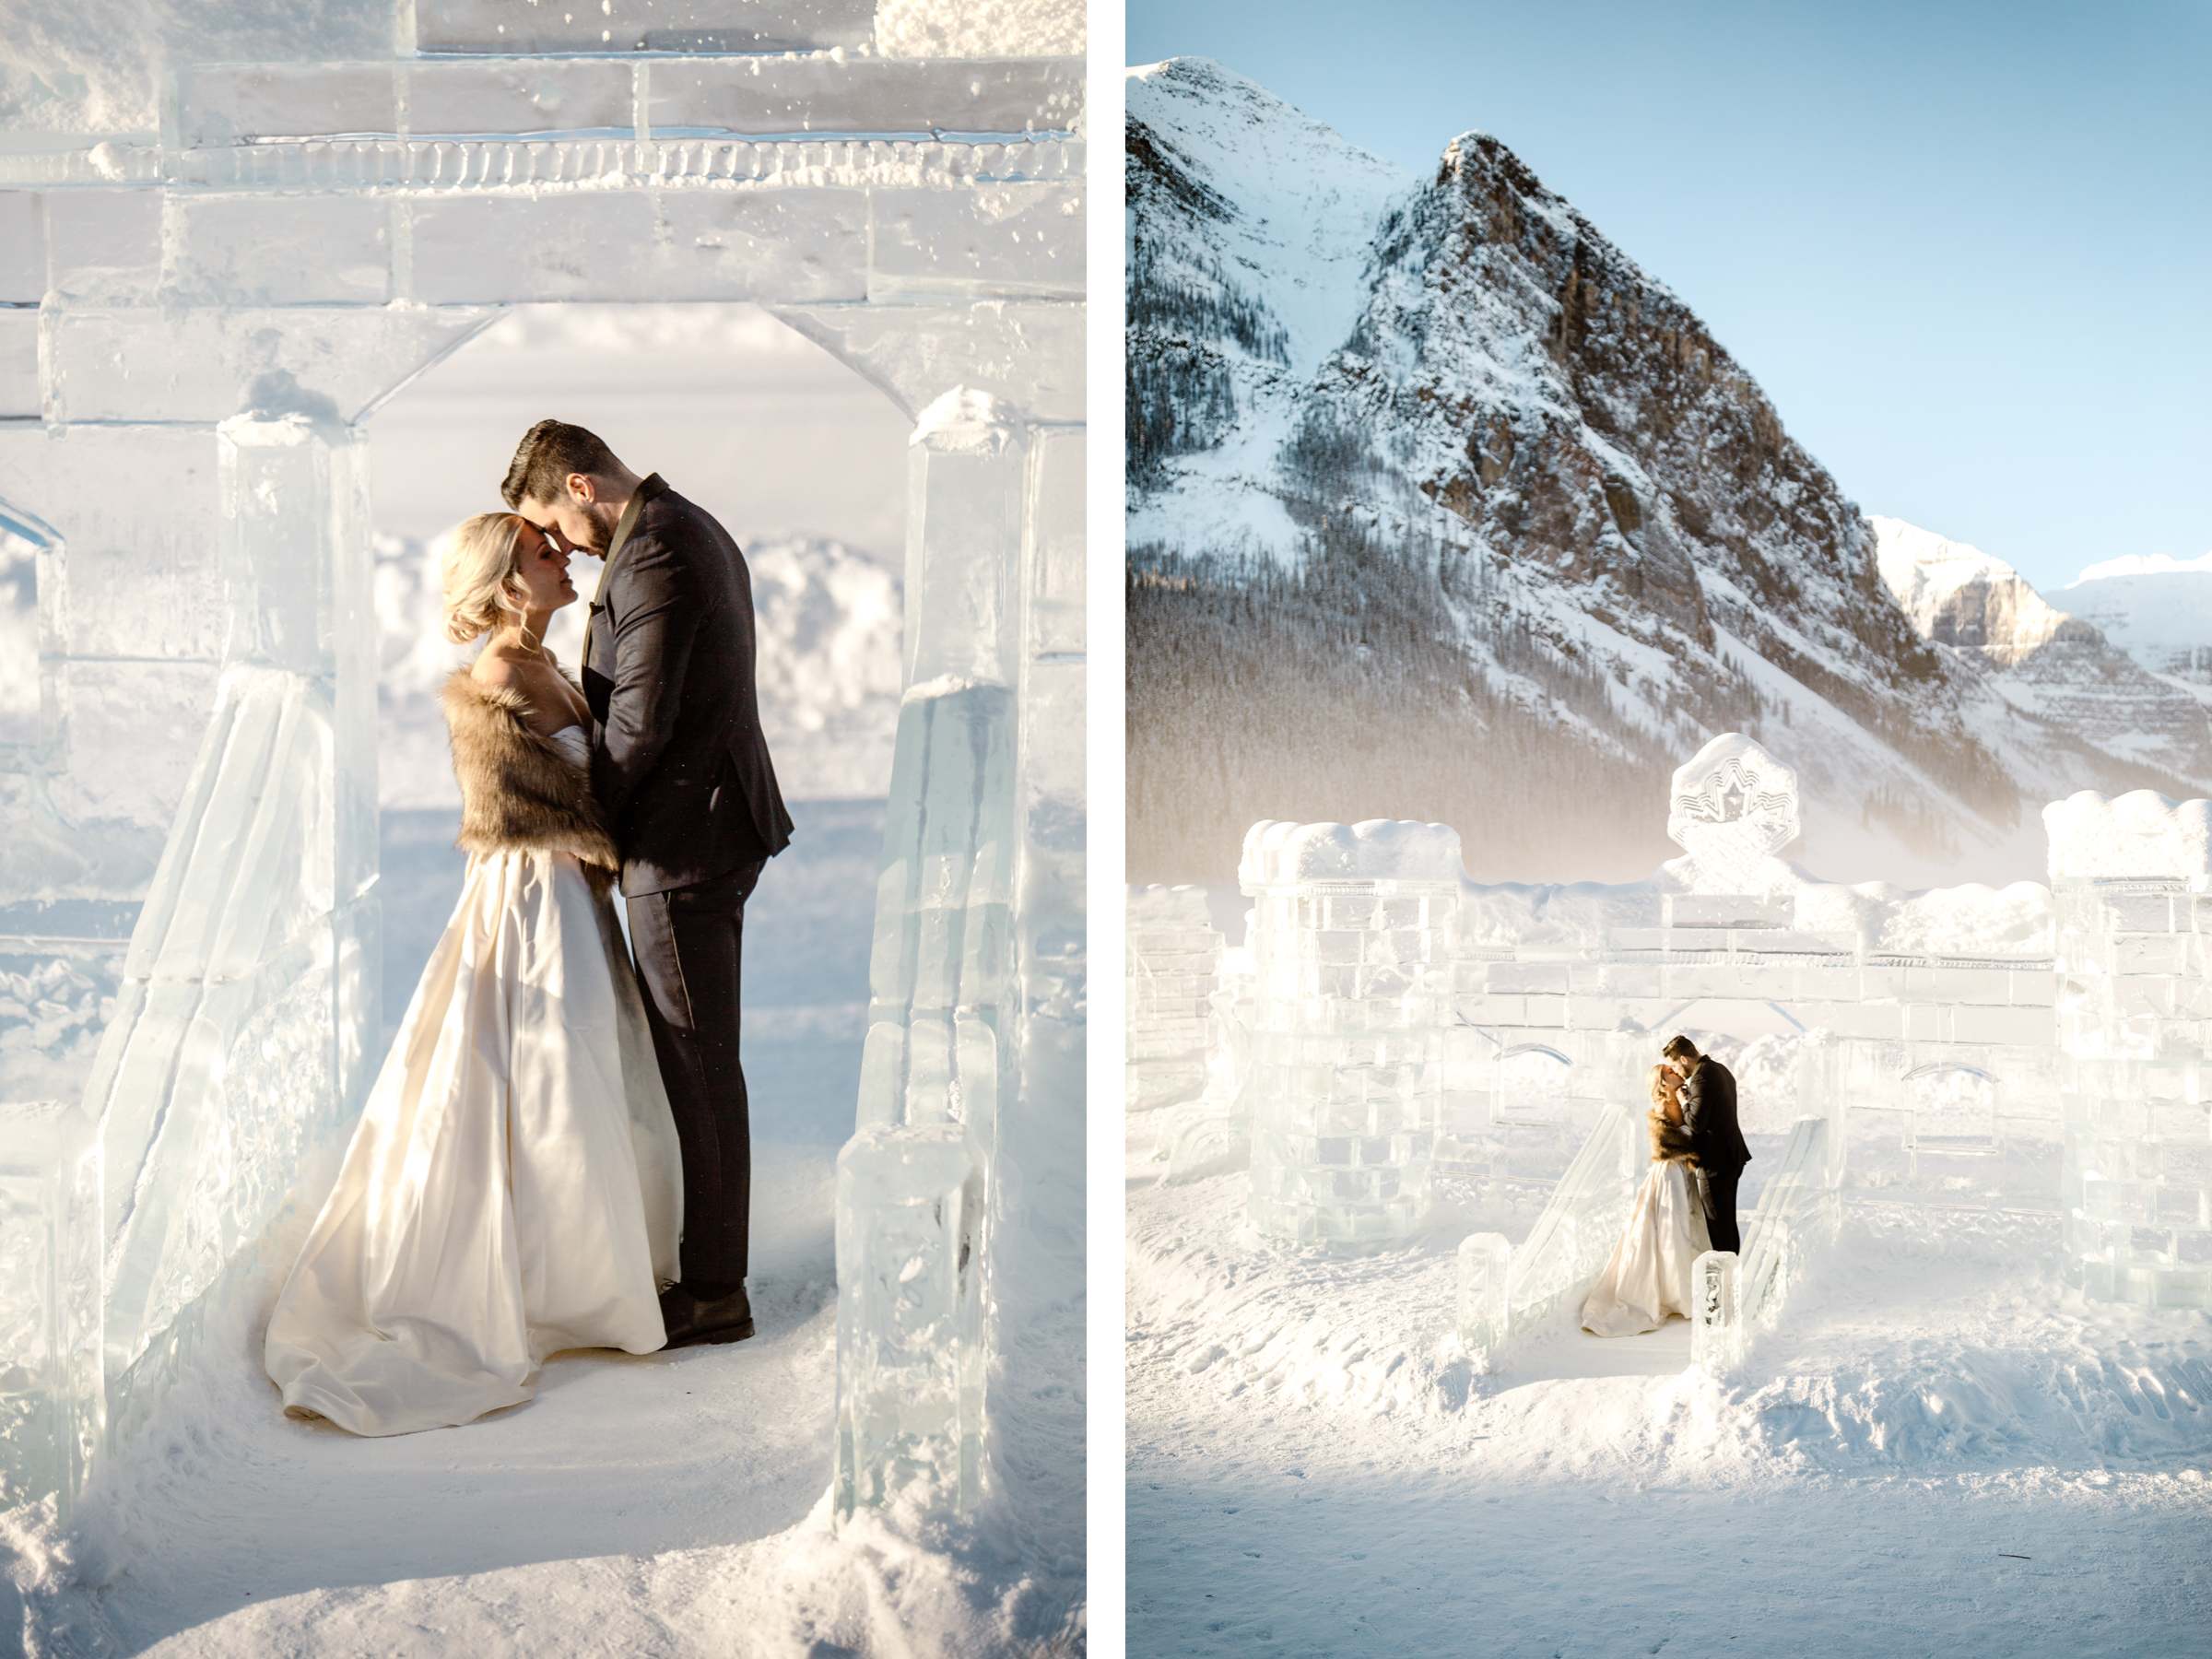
{"type": "Point", "coordinates": [681, 771]}
{"type": "Point", "coordinates": [1716, 1144]}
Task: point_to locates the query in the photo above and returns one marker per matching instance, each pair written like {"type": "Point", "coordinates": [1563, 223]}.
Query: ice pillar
{"type": "Point", "coordinates": [943, 987]}
{"type": "Point", "coordinates": [2132, 881]}
{"type": "Point", "coordinates": [1037, 1192]}
{"type": "Point", "coordinates": [49, 1396]}
{"type": "Point", "coordinates": [242, 1030]}
{"type": "Point", "coordinates": [1716, 1322]}
{"type": "Point", "coordinates": [940, 972]}
{"type": "Point", "coordinates": [909, 1314]}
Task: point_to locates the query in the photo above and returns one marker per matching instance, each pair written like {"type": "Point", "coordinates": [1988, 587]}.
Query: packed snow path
{"type": "Point", "coordinates": [1315, 1468]}
{"type": "Point", "coordinates": [227, 1504]}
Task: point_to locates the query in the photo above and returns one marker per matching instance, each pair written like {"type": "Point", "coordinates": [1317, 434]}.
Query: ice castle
{"type": "Point", "coordinates": [2039, 1050]}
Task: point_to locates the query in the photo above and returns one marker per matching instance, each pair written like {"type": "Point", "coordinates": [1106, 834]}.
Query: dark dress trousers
{"type": "Point", "coordinates": [1716, 1140]}
{"type": "Point", "coordinates": [683, 776]}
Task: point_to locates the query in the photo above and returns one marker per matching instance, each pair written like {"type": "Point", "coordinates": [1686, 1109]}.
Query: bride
{"type": "Point", "coordinates": [514, 1186]}
{"type": "Point", "coordinates": [1648, 1279]}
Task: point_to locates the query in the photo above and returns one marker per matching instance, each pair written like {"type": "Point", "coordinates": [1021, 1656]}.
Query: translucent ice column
{"type": "Point", "coordinates": [940, 974]}
{"type": "Point", "coordinates": [241, 1030]}
{"type": "Point", "coordinates": [909, 1309]}
{"type": "Point", "coordinates": [50, 1399]}
{"type": "Point", "coordinates": [939, 1060]}
{"type": "Point", "coordinates": [2132, 879]}
{"type": "Point", "coordinates": [1716, 1324]}
{"type": "Point", "coordinates": [1350, 999]}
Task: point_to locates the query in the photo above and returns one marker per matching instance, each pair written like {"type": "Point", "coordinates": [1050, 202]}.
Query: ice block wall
{"type": "Point", "coordinates": [2133, 877]}
{"type": "Point", "coordinates": [1350, 1000]}
{"type": "Point", "coordinates": [1175, 960]}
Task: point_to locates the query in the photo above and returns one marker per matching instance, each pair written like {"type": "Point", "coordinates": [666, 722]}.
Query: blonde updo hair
{"type": "Point", "coordinates": [1663, 1086]}
{"type": "Point", "coordinates": [479, 576]}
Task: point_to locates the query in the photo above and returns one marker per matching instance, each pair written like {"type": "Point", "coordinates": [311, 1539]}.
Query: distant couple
{"type": "Point", "coordinates": [556, 1153]}
{"type": "Point", "coordinates": [1687, 1204]}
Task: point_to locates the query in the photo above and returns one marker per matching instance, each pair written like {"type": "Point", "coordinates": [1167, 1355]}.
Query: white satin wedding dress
{"type": "Point", "coordinates": [514, 1186]}
{"type": "Point", "coordinates": [1647, 1281]}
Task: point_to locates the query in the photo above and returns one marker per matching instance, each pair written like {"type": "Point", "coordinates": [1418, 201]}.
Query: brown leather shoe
{"type": "Point", "coordinates": [689, 1319]}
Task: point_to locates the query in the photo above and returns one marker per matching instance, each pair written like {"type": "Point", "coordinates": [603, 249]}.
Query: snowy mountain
{"type": "Point", "coordinates": [827, 623]}
{"type": "Point", "coordinates": [1441, 507]}
{"type": "Point", "coordinates": [2157, 608]}
{"type": "Point", "coordinates": [2068, 689]}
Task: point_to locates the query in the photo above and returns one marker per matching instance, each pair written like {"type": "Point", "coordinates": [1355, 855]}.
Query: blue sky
{"type": "Point", "coordinates": [1966, 248]}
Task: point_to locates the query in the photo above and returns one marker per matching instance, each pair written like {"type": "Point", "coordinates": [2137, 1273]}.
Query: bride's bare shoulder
{"type": "Point", "coordinates": [536, 679]}
{"type": "Point", "coordinates": [495, 667]}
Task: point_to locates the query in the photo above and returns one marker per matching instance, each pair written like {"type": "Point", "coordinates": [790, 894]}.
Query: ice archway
{"type": "Point", "coordinates": [193, 337]}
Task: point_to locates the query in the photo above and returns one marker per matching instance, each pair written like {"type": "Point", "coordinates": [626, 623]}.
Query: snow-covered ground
{"type": "Point", "coordinates": [1942, 1450]}
{"type": "Point", "coordinates": [670, 1503]}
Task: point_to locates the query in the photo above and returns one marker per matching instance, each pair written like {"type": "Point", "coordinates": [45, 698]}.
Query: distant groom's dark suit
{"type": "Point", "coordinates": [681, 771]}
{"type": "Point", "coordinates": [1715, 1141]}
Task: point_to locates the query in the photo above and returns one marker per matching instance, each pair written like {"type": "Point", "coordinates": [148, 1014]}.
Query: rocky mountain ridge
{"type": "Point", "coordinates": [1524, 535]}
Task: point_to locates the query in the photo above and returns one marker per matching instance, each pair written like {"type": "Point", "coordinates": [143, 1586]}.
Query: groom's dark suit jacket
{"type": "Point", "coordinates": [1709, 1117]}
{"type": "Point", "coordinates": [679, 762]}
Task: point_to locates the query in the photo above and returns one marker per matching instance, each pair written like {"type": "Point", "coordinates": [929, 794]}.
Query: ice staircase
{"type": "Point", "coordinates": [1506, 1294]}
{"type": "Point", "coordinates": [1735, 1302]}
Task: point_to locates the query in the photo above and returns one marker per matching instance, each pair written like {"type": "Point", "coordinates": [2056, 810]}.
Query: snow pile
{"type": "Point", "coordinates": [51, 1016]}
{"type": "Point", "coordinates": [980, 28]}
{"type": "Point", "coordinates": [2138, 834]}
{"type": "Point", "coordinates": [826, 621]}
{"type": "Point", "coordinates": [1283, 855]}
{"type": "Point", "coordinates": [1169, 907]}
{"type": "Point", "coordinates": [1969, 920]}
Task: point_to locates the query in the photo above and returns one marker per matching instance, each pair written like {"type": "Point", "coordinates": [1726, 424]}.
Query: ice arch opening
{"type": "Point", "coordinates": [217, 317]}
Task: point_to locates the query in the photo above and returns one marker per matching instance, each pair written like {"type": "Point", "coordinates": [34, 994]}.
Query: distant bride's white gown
{"type": "Point", "coordinates": [514, 1186]}
{"type": "Point", "coordinates": [1648, 1279]}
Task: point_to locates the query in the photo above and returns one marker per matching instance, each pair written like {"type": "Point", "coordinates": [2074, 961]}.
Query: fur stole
{"type": "Point", "coordinates": [518, 792]}
{"type": "Point", "coordinates": [1670, 1141]}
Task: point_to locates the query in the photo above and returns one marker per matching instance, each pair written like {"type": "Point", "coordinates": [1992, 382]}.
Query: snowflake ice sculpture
{"type": "Point", "coordinates": [1732, 808]}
